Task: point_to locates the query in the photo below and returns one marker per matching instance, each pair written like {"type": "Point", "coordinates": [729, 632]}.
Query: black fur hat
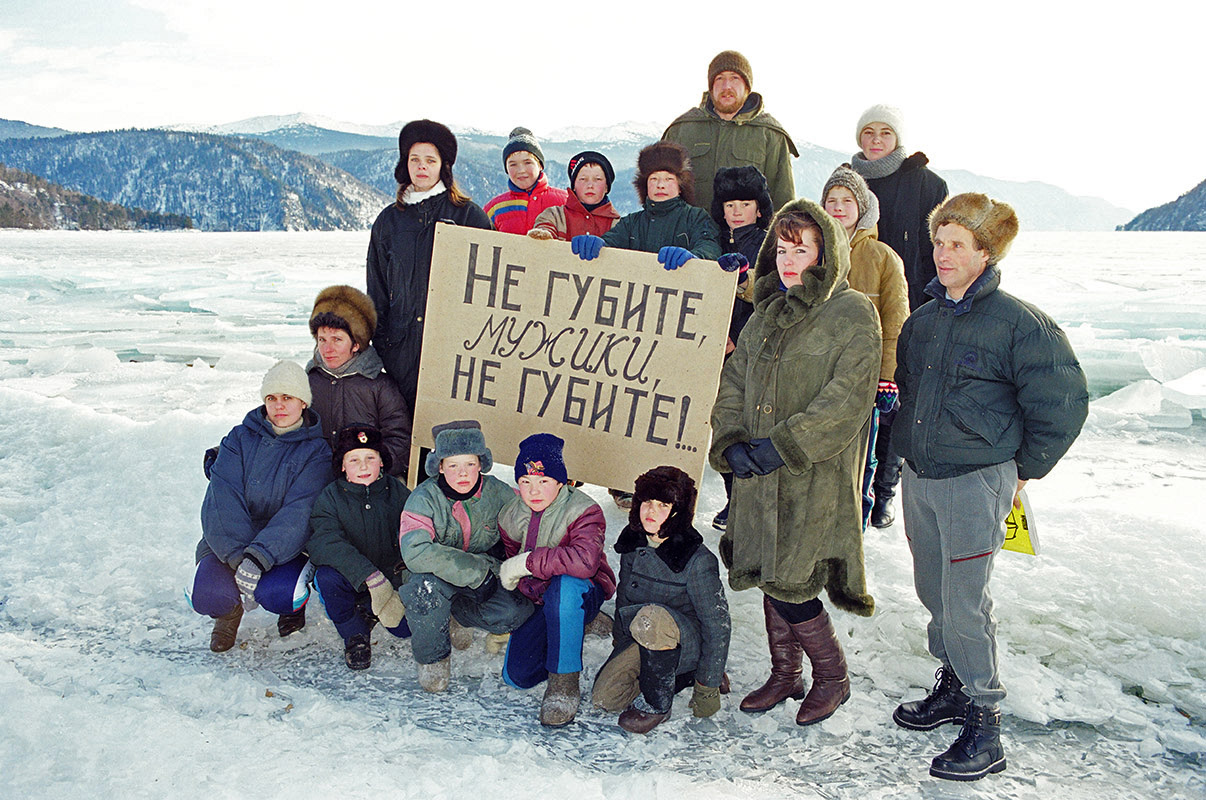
{"type": "Point", "coordinates": [670, 485]}
{"type": "Point", "coordinates": [741, 183]}
{"type": "Point", "coordinates": [434, 133]}
{"type": "Point", "coordinates": [355, 437]}
{"type": "Point", "coordinates": [665, 157]}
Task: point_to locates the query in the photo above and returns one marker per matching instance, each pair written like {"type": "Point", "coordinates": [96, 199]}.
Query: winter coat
{"type": "Point", "coordinates": [453, 540]}
{"type": "Point", "coordinates": [572, 219]}
{"type": "Point", "coordinates": [568, 540]}
{"type": "Point", "coordinates": [665, 223]}
{"type": "Point", "coordinates": [983, 381]}
{"type": "Point", "coordinates": [362, 395]}
{"type": "Point", "coordinates": [876, 271]}
{"type": "Point", "coordinates": [751, 138]}
{"type": "Point", "coordinates": [261, 488]}
{"type": "Point", "coordinates": [906, 198]}
{"type": "Point", "coordinates": [516, 210]}
{"type": "Point", "coordinates": [804, 374]}
{"type": "Point", "coordinates": [354, 529]}
{"type": "Point", "coordinates": [683, 576]}
{"type": "Point", "coordinates": [399, 265]}
{"type": "Point", "coordinates": [746, 240]}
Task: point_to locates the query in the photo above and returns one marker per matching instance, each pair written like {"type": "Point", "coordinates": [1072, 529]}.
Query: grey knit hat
{"type": "Point", "coordinates": [522, 139]}
{"type": "Point", "coordinates": [888, 115]}
{"type": "Point", "coordinates": [286, 377]}
{"type": "Point", "coordinates": [458, 438]}
{"type": "Point", "coordinates": [868, 205]}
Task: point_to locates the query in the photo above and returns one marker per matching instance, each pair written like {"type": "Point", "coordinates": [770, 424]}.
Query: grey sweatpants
{"type": "Point", "coordinates": [955, 527]}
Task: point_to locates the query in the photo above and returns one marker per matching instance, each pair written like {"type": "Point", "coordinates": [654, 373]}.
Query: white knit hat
{"type": "Point", "coordinates": [888, 115]}
{"type": "Point", "coordinates": [286, 377]}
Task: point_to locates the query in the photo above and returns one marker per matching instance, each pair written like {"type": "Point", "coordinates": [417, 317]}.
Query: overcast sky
{"type": "Point", "coordinates": [1092, 100]}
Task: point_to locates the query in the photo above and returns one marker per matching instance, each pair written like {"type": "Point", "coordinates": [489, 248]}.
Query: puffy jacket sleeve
{"type": "Point", "coordinates": [777, 168]}
{"type": "Point", "coordinates": [620, 233]}
{"type": "Point", "coordinates": [579, 552]}
{"type": "Point", "coordinates": [712, 608]}
{"type": "Point", "coordinates": [329, 544]}
{"type": "Point", "coordinates": [1053, 396]}
{"type": "Point", "coordinates": [226, 522]}
{"type": "Point", "coordinates": [286, 533]}
{"type": "Point", "coordinates": [423, 554]}
{"type": "Point", "coordinates": [894, 307]}
{"type": "Point", "coordinates": [705, 237]}
{"type": "Point", "coordinates": [377, 269]}
{"type": "Point", "coordinates": [552, 219]}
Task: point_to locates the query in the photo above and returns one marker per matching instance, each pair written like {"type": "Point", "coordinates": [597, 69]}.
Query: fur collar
{"type": "Point", "coordinates": [675, 552]}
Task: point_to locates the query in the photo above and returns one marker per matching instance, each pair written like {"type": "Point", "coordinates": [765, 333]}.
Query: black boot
{"type": "Point", "coordinates": [977, 752]}
{"type": "Point", "coordinates": [291, 623]}
{"type": "Point", "coordinates": [358, 651]}
{"type": "Point", "coordinates": [652, 706]}
{"type": "Point", "coordinates": [882, 514]}
{"type": "Point", "coordinates": [946, 703]}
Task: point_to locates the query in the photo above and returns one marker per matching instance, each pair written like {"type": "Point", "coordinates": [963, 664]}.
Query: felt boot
{"type": "Point", "coordinates": [561, 698]}
{"type": "Point", "coordinates": [786, 659]}
{"type": "Point", "coordinates": [435, 677]}
{"type": "Point", "coordinates": [830, 682]}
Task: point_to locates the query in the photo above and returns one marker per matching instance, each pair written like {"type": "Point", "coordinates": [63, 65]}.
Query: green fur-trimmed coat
{"type": "Point", "coordinates": [804, 374]}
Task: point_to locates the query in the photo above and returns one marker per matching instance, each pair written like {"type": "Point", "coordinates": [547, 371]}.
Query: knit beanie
{"type": "Point", "coordinates": [993, 223]}
{"type": "Point", "coordinates": [522, 139]}
{"type": "Point", "coordinates": [888, 115]}
{"type": "Point", "coordinates": [665, 157]}
{"type": "Point", "coordinates": [462, 437]}
{"type": "Point", "coordinates": [590, 157]}
{"type": "Point", "coordinates": [348, 309]}
{"type": "Point", "coordinates": [286, 377]}
{"type": "Point", "coordinates": [540, 455]}
{"type": "Point", "coordinates": [356, 437]}
{"type": "Point", "coordinates": [425, 130]}
{"type": "Point", "coordinates": [731, 61]}
{"type": "Point", "coordinates": [846, 177]}
{"type": "Point", "coordinates": [740, 183]}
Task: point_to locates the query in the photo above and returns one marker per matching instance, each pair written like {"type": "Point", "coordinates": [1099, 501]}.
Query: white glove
{"type": "Point", "coordinates": [512, 570]}
{"type": "Point", "coordinates": [387, 606]}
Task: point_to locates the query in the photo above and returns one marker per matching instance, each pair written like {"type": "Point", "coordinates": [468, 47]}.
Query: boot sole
{"type": "Point", "coordinates": [913, 727]}
{"type": "Point", "coordinates": [797, 696]}
{"type": "Point", "coordinates": [993, 768]}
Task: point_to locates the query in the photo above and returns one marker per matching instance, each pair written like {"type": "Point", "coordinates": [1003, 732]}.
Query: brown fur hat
{"type": "Point", "coordinates": [346, 308]}
{"type": "Point", "coordinates": [668, 157]}
{"type": "Point", "coordinates": [993, 223]}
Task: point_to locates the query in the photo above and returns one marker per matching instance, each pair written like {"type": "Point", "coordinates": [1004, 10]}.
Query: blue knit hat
{"type": "Point", "coordinates": [540, 455]}
{"type": "Point", "coordinates": [459, 438]}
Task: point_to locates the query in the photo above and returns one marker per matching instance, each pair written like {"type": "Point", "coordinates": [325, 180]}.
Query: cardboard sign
{"type": "Point", "coordinates": [617, 356]}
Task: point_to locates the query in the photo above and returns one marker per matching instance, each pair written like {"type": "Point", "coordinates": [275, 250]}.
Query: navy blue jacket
{"type": "Point", "coordinates": [906, 198]}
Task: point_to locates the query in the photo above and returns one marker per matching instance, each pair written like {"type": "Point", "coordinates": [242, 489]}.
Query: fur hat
{"type": "Point", "coordinates": [731, 61]}
{"type": "Point", "coordinates": [425, 130]}
{"type": "Point", "coordinates": [590, 157]}
{"type": "Point", "coordinates": [462, 437]}
{"type": "Point", "coordinates": [665, 157]}
{"type": "Point", "coordinates": [286, 377]}
{"type": "Point", "coordinates": [670, 485]}
{"type": "Point", "coordinates": [348, 309]}
{"type": "Point", "coordinates": [356, 437]}
{"type": "Point", "coordinates": [868, 205]}
{"type": "Point", "coordinates": [888, 115]}
{"type": "Point", "coordinates": [740, 183]}
{"type": "Point", "coordinates": [540, 454]}
{"type": "Point", "coordinates": [521, 139]}
{"type": "Point", "coordinates": [993, 223]}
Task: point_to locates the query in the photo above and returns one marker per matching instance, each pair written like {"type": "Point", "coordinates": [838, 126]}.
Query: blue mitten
{"type": "Point", "coordinates": [731, 262]}
{"type": "Point", "coordinates": [674, 257]}
{"type": "Point", "coordinates": [586, 246]}
{"type": "Point", "coordinates": [765, 457]}
{"type": "Point", "coordinates": [886, 396]}
{"type": "Point", "coordinates": [738, 456]}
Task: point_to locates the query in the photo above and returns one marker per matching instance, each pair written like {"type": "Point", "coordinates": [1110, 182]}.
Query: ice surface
{"type": "Point", "coordinates": [123, 356]}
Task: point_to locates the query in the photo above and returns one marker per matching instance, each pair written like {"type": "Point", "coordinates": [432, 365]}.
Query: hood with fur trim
{"type": "Point", "coordinates": [820, 282]}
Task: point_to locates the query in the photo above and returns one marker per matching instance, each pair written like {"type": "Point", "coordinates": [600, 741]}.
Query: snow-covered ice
{"type": "Point", "coordinates": [124, 355]}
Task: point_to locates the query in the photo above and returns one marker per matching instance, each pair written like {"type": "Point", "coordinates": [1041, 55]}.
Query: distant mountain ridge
{"type": "Point", "coordinates": [1186, 213]}
{"type": "Point", "coordinates": [32, 203]}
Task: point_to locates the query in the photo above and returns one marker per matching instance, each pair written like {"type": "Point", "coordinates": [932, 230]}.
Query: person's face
{"type": "Point", "coordinates": [739, 213]}
{"type": "Point", "coordinates": [877, 141]}
{"type": "Point", "coordinates": [792, 258]}
{"type": "Point", "coordinates": [523, 169]}
{"type": "Point", "coordinates": [654, 514]}
{"type": "Point", "coordinates": [538, 491]}
{"type": "Point", "coordinates": [662, 185]}
{"type": "Point", "coordinates": [335, 346]}
{"type": "Point", "coordinates": [591, 184]}
{"type": "Point", "coordinates": [729, 92]}
{"type": "Point", "coordinates": [423, 164]}
{"type": "Point", "coordinates": [284, 409]}
{"type": "Point", "coordinates": [958, 261]}
{"type": "Point", "coordinates": [362, 465]}
{"type": "Point", "coordinates": [842, 206]}
{"type": "Point", "coordinates": [461, 472]}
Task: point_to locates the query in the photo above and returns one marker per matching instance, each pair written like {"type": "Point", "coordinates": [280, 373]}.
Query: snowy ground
{"type": "Point", "coordinates": [107, 686]}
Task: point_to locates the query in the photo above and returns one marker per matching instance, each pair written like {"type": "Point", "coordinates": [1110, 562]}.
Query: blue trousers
{"type": "Point", "coordinates": [551, 639]}
{"type": "Point", "coordinates": [869, 469]}
{"type": "Point", "coordinates": [281, 590]}
{"type": "Point", "coordinates": [349, 609]}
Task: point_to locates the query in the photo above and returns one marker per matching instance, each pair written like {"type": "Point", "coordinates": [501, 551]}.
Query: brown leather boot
{"type": "Point", "coordinates": [225, 630]}
{"type": "Point", "coordinates": [830, 682]}
{"type": "Point", "coordinates": [786, 659]}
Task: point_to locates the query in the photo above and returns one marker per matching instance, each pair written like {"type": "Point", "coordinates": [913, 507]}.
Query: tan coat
{"type": "Point", "coordinates": [876, 271]}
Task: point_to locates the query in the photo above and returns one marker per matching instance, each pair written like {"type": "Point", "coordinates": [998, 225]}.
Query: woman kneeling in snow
{"type": "Point", "coordinates": [255, 518]}
{"type": "Point", "coordinates": [672, 618]}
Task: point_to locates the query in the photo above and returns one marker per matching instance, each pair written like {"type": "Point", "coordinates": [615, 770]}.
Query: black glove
{"type": "Point", "coordinates": [738, 456]}
{"type": "Point", "coordinates": [485, 589]}
{"type": "Point", "coordinates": [765, 457]}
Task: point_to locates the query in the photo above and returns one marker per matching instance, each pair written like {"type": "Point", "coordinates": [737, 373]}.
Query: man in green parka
{"type": "Point", "coordinates": [729, 129]}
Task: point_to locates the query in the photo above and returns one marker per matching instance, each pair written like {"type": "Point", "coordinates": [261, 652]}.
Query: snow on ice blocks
{"type": "Point", "coordinates": [1168, 401]}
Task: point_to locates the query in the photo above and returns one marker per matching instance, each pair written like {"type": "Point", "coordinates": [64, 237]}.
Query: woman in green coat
{"type": "Point", "coordinates": [791, 422]}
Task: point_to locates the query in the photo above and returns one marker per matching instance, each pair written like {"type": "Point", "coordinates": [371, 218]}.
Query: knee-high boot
{"type": "Point", "coordinates": [830, 681]}
{"type": "Point", "coordinates": [786, 658]}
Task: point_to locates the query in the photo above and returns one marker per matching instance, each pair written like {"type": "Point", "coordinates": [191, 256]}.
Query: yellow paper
{"type": "Point", "coordinates": [1020, 533]}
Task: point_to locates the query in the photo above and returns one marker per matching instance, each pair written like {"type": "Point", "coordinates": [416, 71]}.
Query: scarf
{"type": "Point", "coordinates": [880, 168]}
{"type": "Point", "coordinates": [453, 494]}
{"type": "Point", "coordinates": [412, 196]}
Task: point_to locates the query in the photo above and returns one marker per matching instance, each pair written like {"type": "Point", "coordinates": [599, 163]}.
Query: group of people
{"type": "Point", "coordinates": [868, 339]}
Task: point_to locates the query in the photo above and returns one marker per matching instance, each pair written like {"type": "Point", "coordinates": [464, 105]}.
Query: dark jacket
{"type": "Point", "coordinates": [363, 395]}
{"type": "Point", "coordinates": [983, 381]}
{"type": "Point", "coordinates": [261, 488]}
{"type": "Point", "coordinates": [398, 268]}
{"type": "Point", "coordinates": [668, 223]}
{"type": "Point", "coordinates": [746, 240]}
{"type": "Point", "coordinates": [682, 575]}
{"type": "Point", "coordinates": [906, 198]}
{"type": "Point", "coordinates": [354, 529]}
